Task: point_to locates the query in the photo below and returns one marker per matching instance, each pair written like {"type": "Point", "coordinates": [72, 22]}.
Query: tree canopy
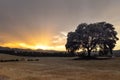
{"type": "Point", "coordinates": [92, 36]}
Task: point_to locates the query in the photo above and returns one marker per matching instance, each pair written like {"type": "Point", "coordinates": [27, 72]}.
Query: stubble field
{"type": "Point", "coordinates": [60, 68]}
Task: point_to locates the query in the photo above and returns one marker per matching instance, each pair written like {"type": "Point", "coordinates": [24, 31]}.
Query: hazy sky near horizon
{"type": "Point", "coordinates": [45, 23]}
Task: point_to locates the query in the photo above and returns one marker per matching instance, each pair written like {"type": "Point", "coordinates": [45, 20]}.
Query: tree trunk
{"type": "Point", "coordinates": [111, 52]}
{"type": "Point", "coordinates": [72, 53]}
{"type": "Point", "coordinates": [89, 52]}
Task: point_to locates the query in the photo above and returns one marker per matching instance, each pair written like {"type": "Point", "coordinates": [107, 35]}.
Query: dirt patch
{"type": "Point", "coordinates": [3, 77]}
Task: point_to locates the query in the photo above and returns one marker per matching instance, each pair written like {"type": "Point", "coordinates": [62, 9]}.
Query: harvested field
{"type": "Point", "coordinates": [61, 68]}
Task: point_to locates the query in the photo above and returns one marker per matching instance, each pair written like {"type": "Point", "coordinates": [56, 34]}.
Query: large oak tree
{"type": "Point", "coordinates": [92, 36]}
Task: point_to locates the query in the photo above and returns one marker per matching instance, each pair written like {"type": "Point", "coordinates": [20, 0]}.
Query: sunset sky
{"type": "Point", "coordinates": [44, 23]}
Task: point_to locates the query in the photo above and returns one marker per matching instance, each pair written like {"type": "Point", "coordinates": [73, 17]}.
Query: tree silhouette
{"type": "Point", "coordinates": [72, 42]}
{"type": "Point", "coordinates": [92, 36]}
{"type": "Point", "coordinates": [108, 37]}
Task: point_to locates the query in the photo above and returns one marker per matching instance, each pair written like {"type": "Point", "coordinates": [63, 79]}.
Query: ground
{"type": "Point", "coordinates": [61, 68]}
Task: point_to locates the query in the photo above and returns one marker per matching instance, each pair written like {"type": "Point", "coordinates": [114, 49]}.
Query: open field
{"type": "Point", "coordinates": [61, 68]}
{"type": "Point", "coordinates": [8, 56]}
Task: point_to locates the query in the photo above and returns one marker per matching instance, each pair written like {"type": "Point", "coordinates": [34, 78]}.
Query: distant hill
{"type": "Point", "coordinates": [29, 50]}
{"type": "Point", "coordinates": [33, 53]}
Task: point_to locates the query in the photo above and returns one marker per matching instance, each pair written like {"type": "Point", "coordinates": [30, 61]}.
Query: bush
{"type": "Point", "coordinates": [11, 60]}
{"type": "Point", "coordinates": [32, 59]}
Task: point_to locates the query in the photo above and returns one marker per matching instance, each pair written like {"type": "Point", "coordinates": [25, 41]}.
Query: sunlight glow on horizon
{"type": "Point", "coordinates": [47, 41]}
{"type": "Point", "coordinates": [34, 47]}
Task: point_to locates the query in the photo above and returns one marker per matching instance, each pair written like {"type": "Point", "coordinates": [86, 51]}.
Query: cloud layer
{"type": "Point", "coordinates": [45, 22]}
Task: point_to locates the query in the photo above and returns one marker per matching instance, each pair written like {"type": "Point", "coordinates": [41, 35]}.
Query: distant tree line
{"type": "Point", "coordinates": [34, 53]}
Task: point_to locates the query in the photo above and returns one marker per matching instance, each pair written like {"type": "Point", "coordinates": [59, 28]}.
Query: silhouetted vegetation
{"type": "Point", "coordinates": [97, 37]}
{"type": "Point", "coordinates": [32, 59]}
{"type": "Point", "coordinates": [34, 53]}
{"type": "Point", "coordinates": [11, 60]}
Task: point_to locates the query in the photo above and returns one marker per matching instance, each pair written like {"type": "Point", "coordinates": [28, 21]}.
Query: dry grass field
{"type": "Point", "coordinates": [60, 68]}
